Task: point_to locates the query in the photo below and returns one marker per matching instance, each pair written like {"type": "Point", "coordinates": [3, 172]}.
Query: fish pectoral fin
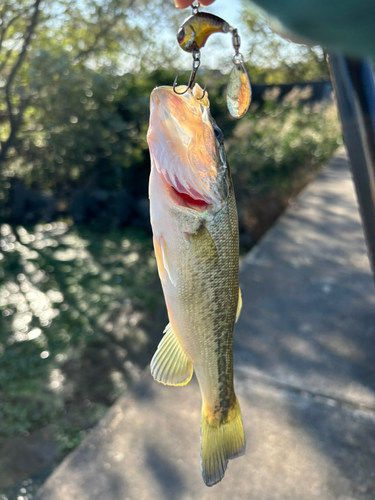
{"type": "Point", "coordinates": [239, 304]}
{"type": "Point", "coordinates": [165, 267]}
{"type": "Point", "coordinates": [159, 262]}
{"type": "Point", "coordinates": [169, 365]}
{"type": "Point", "coordinates": [171, 272]}
{"type": "Point", "coordinates": [220, 442]}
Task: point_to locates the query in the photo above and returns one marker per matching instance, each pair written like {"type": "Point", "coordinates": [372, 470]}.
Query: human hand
{"type": "Point", "coordinates": [183, 4]}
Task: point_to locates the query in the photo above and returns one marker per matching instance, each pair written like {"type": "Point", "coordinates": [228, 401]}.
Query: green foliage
{"type": "Point", "coordinates": [269, 145]}
{"type": "Point", "coordinates": [52, 57]}
{"type": "Point", "coordinates": [86, 124]}
{"type": "Point", "coordinates": [69, 301]}
{"type": "Point", "coordinates": [273, 153]}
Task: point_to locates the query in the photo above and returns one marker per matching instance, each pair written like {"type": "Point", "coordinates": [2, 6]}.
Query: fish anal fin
{"type": "Point", "coordinates": [239, 304]}
{"type": "Point", "coordinates": [220, 442]}
{"type": "Point", "coordinates": [169, 365]}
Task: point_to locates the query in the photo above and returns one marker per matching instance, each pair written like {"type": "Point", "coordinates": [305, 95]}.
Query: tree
{"type": "Point", "coordinates": [275, 60]}
{"type": "Point", "coordinates": [22, 19]}
{"type": "Point", "coordinates": [90, 34]}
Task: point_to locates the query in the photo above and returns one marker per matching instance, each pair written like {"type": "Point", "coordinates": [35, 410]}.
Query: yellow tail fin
{"type": "Point", "coordinates": [220, 442]}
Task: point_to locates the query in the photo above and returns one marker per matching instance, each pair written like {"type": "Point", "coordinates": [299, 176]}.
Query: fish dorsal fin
{"type": "Point", "coordinates": [239, 304]}
{"type": "Point", "coordinates": [169, 365]}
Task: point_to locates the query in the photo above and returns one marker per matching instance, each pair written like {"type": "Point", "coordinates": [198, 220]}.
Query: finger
{"type": "Point", "coordinates": [183, 4]}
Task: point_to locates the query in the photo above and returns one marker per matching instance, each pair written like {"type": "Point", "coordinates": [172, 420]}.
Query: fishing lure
{"type": "Point", "coordinates": [193, 35]}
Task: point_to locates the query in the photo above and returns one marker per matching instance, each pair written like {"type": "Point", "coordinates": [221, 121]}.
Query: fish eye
{"type": "Point", "coordinates": [218, 133]}
{"type": "Point", "coordinates": [181, 35]}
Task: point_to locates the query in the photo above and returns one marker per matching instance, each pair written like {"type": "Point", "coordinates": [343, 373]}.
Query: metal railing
{"type": "Point", "coordinates": [354, 84]}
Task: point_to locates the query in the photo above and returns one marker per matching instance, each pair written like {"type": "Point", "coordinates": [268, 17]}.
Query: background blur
{"type": "Point", "coordinates": [81, 309]}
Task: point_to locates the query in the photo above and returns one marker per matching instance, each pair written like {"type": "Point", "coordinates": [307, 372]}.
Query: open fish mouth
{"type": "Point", "coordinates": [187, 201]}
{"type": "Point", "coordinates": [183, 147]}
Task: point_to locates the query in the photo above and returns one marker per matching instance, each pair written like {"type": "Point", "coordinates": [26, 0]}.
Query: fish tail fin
{"type": "Point", "coordinates": [220, 441]}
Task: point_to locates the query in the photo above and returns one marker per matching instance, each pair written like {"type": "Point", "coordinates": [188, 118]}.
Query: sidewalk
{"type": "Point", "coordinates": [304, 376]}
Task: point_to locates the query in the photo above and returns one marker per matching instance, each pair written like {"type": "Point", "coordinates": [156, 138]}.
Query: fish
{"type": "Point", "coordinates": [195, 233]}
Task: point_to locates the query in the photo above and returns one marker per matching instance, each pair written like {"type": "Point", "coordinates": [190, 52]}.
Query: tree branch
{"type": "Point", "coordinates": [6, 59]}
{"type": "Point", "coordinates": [15, 122]}
{"type": "Point", "coordinates": [84, 53]}
{"type": "Point", "coordinates": [102, 33]}
{"type": "Point", "coordinates": [6, 27]}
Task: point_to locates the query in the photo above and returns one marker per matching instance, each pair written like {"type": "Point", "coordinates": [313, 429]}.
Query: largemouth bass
{"type": "Point", "coordinates": [195, 229]}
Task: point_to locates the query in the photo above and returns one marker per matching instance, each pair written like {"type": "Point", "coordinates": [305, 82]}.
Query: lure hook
{"type": "Point", "coordinates": [196, 64]}
{"type": "Point", "coordinates": [204, 93]}
{"type": "Point", "coordinates": [174, 87]}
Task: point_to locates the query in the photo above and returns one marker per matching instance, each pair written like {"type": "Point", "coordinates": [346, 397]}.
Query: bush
{"type": "Point", "coordinates": [272, 154]}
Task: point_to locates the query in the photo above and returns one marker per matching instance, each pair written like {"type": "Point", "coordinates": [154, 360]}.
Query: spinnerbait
{"type": "Point", "coordinates": [193, 35]}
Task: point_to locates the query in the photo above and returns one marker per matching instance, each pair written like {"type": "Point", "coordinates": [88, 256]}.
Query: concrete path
{"type": "Point", "coordinates": [304, 375]}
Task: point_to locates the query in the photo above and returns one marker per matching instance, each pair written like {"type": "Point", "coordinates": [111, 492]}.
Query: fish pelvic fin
{"type": "Point", "coordinates": [169, 365]}
{"type": "Point", "coordinates": [220, 441]}
{"type": "Point", "coordinates": [239, 304]}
